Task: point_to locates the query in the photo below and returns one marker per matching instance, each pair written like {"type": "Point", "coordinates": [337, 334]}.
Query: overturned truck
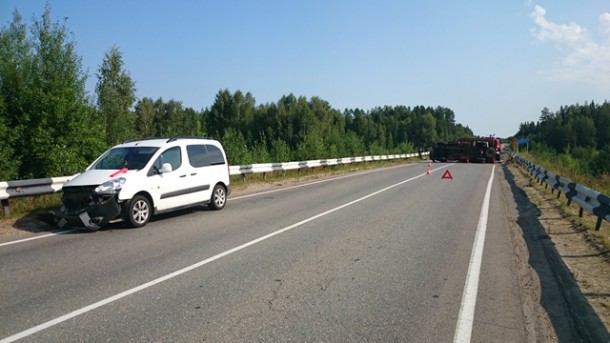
{"type": "Point", "coordinates": [474, 149]}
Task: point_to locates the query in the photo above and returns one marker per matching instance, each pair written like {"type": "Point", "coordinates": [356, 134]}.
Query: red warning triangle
{"type": "Point", "coordinates": [447, 175]}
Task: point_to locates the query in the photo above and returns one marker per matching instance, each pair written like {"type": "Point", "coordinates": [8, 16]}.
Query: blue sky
{"type": "Point", "coordinates": [496, 64]}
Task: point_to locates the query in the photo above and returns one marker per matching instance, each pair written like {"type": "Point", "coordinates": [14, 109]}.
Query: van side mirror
{"type": "Point", "coordinates": [166, 168]}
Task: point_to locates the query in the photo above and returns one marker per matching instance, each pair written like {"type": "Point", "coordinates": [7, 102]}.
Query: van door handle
{"type": "Point", "coordinates": [193, 174]}
{"type": "Point", "coordinates": [183, 175]}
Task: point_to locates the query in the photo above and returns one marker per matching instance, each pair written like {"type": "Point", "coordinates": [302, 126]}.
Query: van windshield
{"type": "Point", "coordinates": [132, 158]}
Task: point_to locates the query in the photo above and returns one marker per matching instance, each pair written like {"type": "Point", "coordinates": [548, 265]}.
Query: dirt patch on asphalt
{"type": "Point", "coordinates": [564, 272]}
{"type": "Point", "coordinates": [11, 229]}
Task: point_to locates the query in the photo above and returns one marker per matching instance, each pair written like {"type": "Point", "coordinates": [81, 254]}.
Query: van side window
{"type": "Point", "coordinates": [171, 156]}
{"type": "Point", "coordinates": [205, 155]}
{"type": "Point", "coordinates": [215, 156]}
{"type": "Point", "coordinates": [197, 155]}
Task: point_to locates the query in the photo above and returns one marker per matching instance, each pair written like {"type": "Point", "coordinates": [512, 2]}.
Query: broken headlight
{"type": "Point", "coordinates": [110, 187]}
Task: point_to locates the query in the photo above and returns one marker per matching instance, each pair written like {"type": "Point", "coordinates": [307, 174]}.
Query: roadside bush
{"type": "Point", "coordinates": [600, 163]}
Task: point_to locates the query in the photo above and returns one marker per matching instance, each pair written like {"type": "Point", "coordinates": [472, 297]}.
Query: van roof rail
{"type": "Point", "coordinates": [175, 138]}
{"type": "Point", "coordinates": [141, 139]}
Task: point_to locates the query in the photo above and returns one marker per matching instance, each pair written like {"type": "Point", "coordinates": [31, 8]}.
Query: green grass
{"type": "Point", "coordinates": [33, 205]}
{"type": "Point", "coordinates": [600, 183]}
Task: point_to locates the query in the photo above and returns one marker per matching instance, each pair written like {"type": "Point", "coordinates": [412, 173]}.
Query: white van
{"type": "Point", "coordinates": [140, 178]}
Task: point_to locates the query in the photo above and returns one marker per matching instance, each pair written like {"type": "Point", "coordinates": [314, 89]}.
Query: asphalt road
{"type": "Point", "coordinates": [376, 256]}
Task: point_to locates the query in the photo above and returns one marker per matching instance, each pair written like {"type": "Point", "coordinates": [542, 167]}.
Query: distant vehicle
{"type": "Point", "coordinates": [140, 178]}
{"type": "Point", "coordinates": [472, 149]}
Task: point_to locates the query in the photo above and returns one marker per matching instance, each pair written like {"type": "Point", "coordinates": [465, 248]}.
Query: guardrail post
{"type": "Point", "coordinates": [5, 208]}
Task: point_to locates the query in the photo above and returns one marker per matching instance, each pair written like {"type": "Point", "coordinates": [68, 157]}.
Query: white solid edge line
{"type": "Point", "coordinates": [116, 297]}
{"type": "Point", "coordinates": [463, 330]}
{"type": "Point", "coordinates": [36, 237]}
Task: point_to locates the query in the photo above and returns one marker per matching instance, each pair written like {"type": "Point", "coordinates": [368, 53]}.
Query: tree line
{"type": "Point", "coordinates": [578, 135]}
{"type": "Point", "coordinates": [50, 125]}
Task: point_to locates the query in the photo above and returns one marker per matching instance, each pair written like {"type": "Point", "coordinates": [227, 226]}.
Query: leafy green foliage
{"type": "Point", "coordinates": [576, 138]}
{"type": "Point", "coordinates": [600, 162]}
{"type": "Point", "coordinates": [280, 151]}
{"type": "Point", "coordinates": [297, 128]}
{"type": "Point", "coordinates": [115, 96]}
{"type": "Point", "coordinates": [8, 167]}
{"type": "Point", "coordinates": [235, 147]}
{"type": "Point", "coordinates": [145, 118]}
{"type": "Point", "coordinates": [52, 129]}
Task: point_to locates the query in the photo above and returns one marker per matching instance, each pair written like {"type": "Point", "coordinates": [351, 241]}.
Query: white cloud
{"type": "Point", "coordinates": [604, 24]}
{"type": "Point", "coordinates": [584, 59]}
{"type": "Point", "coordinates": [566, 34]}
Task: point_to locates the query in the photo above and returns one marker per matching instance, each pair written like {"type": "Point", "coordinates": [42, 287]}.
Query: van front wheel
{"type": "Point", "coordinates": [137, 211]}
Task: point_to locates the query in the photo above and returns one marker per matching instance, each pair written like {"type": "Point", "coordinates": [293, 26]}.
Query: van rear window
{"type": "Point", "coordinates": [201, 155]}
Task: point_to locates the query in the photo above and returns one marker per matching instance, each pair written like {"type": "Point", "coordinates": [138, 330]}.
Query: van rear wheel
{"type": "Point", "coordinates": [137, 211]}
{"type": "Point", "coordinates": [219, 198]}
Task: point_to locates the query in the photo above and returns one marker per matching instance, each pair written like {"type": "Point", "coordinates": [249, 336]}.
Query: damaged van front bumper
{"type": "Point", "coordinates": [83, 208]}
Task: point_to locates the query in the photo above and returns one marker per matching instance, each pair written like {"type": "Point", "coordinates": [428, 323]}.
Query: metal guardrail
{"type": "Point", "coordinates": [588, 199]}
{"type": "Point", "coordinates": [33, 187]}
{"type": "Point", "coordinates": [274, 167]}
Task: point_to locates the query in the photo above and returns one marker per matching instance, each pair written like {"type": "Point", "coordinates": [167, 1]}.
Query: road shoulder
{"type": "Point", "coordinates": [562, 275]}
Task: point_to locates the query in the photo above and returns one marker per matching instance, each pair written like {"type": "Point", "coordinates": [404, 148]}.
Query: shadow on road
{"type": "Point", "coordinates": [573, 319]}
{"type": "Point", "coordinates": [44, 222]}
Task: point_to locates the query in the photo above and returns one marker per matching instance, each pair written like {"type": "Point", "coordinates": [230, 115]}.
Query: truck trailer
{"type": "Point", "coordinates": [469, 149]}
